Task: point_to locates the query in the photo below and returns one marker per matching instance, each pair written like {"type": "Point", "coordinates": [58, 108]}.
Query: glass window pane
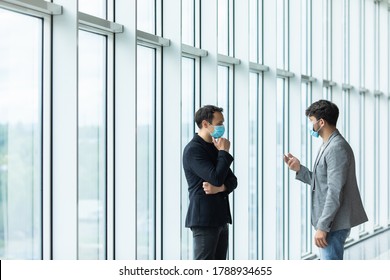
{"type": "Point", "coordinates": [146, 139]}
{"type": "Point", "coordinates": [306, 43]}
{"type": "Point", "coordinates": [96, 8]}
{"type": "Point", "coordinates": [306, 161]}
{"type": "Point", "coordinates": [280, 194]}
{"type": "Point", "coordinates": [188, 130]}
{"type": "Point", "coordinates": [254, 157]}
{"type": "Point", "coordinates": [223, 94]}
{"type": "Point", "coordinates": [188, 22]}
{"type": "Point", "coordinates": [282, 43]}
{"type": "Point", "coordinates": [253, 34]}
{"type": "Point", "coordinates": [20, 136]}
{"type": "Point", "coordinates": [362, 153]}
{"type": "Point", "coordinates": [146, 16]}
{"type": "Point", "coordinates": [223, 27]}
{"type": "Point", "coordinates": [256, 31]}
{"type": "Point", "coordinates": [92, 146]}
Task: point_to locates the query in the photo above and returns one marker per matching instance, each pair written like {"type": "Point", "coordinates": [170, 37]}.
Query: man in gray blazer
{"type": "Point", "coordinates": [336, 201]}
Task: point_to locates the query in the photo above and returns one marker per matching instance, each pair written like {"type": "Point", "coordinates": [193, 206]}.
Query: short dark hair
{"type": "Point", "coordinates": [323, 109]}
{"type": "Point", "coordinates": [206, 113]}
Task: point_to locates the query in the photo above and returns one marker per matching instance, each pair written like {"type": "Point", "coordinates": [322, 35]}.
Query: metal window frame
{"type": "Point", "coordinates": [193, 52]}
{"type": "Point", "coordinates": [280, 73]}
{"type": "Point", "coordinates": [91, 23]}
{"type": "Point", "coordinates": [228, 59]}
{"type": "Point", "coordinates": [346, 86]}
{"type": "Point", "coordinates": [308, 79]}
{"type": "Point", "coordinates": [257, 67]}
{"type": "Point", "coordinates": [46, 225]}
{"type": "Point", "coordinates": [151, 39]}
{"type": "Point", "coordinates": [329, 83]}
{"type": "Point", "coordinates": [34, 5]}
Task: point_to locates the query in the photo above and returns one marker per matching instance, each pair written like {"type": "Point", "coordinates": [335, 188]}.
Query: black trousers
{"type": "Point", "coordinates": [210, 243]}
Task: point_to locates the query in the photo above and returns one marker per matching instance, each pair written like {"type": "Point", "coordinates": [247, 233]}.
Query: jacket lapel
{"type": "Point", "coordinates": [321, 152]}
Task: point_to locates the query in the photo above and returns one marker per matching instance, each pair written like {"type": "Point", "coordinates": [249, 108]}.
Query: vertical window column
{"type": "Point", "coordinates": [225, 91]}
{"type": "Point", "coordinates": [255, 132]}
{"type": "Point", "coordinates": [305, 145]}
{"type": "Point", "coordinates": [269, 127]}
{"type": "Point", "coordinates": [125, 235]}
{"type": "Point", "coordinates": [190, 102]}
{"type": "Point", "coordinates": [170, 104]}
{"type": "Point", "coordinates": [346, 86]}
{"type": "Point", "coordinates": [337, 60]}
{"type": "Point", "coordinates": [293, 139]}
{"type": "Point", "coordinates": [327, 50]}
{"type": "Point", "coordinates": [241, 117]}
{"type": "Point", "coordinates": [148, 131]}
{"type": "Point", "coordinates": [65, 138]}
{"type": "Point", "coordinates": [354, 114]}
{"type": "Point", "coordinates": [282, 128]}
{"type": "Point", "coordinates": [369, 104]}
{"type": "Point", "coordinates": [383, 88]}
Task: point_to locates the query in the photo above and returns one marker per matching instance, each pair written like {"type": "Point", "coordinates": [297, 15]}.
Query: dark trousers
{"type": "Point", "coordinates": [210, 243]}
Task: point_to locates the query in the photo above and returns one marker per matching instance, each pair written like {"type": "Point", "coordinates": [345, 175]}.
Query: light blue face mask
{"type": "Point", "coordinates": [313, 132]}
{"type": "Point", "coordinates": [219, 130]}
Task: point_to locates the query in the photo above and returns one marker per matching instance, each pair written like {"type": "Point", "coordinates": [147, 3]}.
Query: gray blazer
{"type": "Point", "coordinates": [336, 201]}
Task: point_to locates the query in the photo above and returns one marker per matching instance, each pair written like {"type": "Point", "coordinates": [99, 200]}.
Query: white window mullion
{"type": "Point", "coordinates": [125, 131]}
{"type": "Point", "coordinates": [339, 19]}
{"type": "Point", "coordinates": [171, 158]}
{"type": "Point", "coordinates": [65, 154]}
{"type": "Point", "coordinates": [294, 139]}
{"type": "Point", "coordinates": [110, 238]}
{"type": "Point", "coordinates": [354, 95]}
{"type": "Point", "coordinates": [47, 143]}
{"type": "Point", "coordinates": [241, 117]}
{"type": "Point", "coordinates": [269, 128]}
{"type": "Point", "coordinates": [384, 121]}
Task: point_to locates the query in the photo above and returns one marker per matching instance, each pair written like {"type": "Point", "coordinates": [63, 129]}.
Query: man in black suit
{"type": "Point", "coordinates": [206, 163]}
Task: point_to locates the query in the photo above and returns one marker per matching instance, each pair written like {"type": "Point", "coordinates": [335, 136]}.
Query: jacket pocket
{"type": "Point", "coordinates": [212, 210]}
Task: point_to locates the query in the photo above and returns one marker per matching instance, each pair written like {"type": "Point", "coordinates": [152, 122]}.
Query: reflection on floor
{"type": "Point", "coordinates": [374, 248]}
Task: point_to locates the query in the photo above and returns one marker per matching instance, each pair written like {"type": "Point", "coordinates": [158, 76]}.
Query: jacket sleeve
{"type": "Point", "coordinates": [200, 164]}
{"type": "Point", "coordinates": [304, 175]}
{"type": "Point", "coordinates": [231, 182]}
{"type": "Point", "coordinates": [337, 171]}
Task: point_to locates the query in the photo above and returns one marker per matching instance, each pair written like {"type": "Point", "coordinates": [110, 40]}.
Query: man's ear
{"type": "Point", "coordinates": [205, 124]}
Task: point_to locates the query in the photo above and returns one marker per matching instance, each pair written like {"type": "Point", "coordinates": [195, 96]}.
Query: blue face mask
{"type": "Point", "coordinates": [219, 130]}
{"type": "Point", "coordinates": [313, 132]}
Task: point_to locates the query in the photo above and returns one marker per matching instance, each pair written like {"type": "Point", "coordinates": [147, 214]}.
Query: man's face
{"type": "Point", "coordinates": [217, 119]}
{"type": "Point", "coordinates": [316, 123]}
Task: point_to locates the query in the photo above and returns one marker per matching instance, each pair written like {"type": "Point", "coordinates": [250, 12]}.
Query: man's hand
{"type": "Point", "coordinates": [320, 238]}
{"type": "Point", "coordinates": [211, 189]}
{"type": "Point", "coordinates": [222, 144]}
{"type": "Point", "coordinates": [292, 162]}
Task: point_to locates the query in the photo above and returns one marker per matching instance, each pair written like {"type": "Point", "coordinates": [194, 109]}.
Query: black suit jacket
{"type": "Point", "coordinates": [202, 162]}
